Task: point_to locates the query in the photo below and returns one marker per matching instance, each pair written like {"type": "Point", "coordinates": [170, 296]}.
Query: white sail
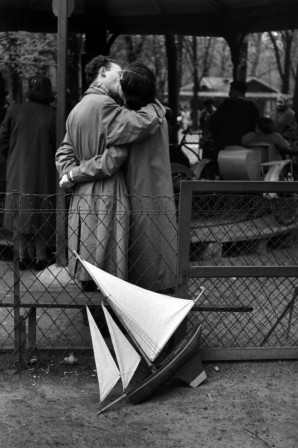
{"type": "Point", "coordinates": [127, 357]}
{"type": "Point", "coordinates": [107, 371]}
{"type": "Point", "coordinates": [150, 317]}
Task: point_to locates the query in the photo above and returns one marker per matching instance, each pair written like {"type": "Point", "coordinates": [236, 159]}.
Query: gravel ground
{"type": "Point", "coordinates": [241, 405]}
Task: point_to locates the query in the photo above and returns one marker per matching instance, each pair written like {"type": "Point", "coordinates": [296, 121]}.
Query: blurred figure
{"type": "Point", "coordinates": [234, 117]}
{"type": "Point", "coordinates": [186, 118]}
{"type": "Point", "coordinates": [28, 143]}
{"type": "Point", "coordinates": [206, 142]}
{"type": "Point", "coordinates": [284, 119]}
{"type": "Point", "coordinates": [208, 110]}
{"type": "Point", "coordinates": [265, 133]}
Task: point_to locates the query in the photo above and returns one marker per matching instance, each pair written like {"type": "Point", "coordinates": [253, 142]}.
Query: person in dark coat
{"type": "Point", "coordinates": [235, 117]}
{"type": "Point", "coordinates": [28, 143]}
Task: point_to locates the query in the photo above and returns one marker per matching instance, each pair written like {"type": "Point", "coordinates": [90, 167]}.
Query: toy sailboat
{"type": "Point", "coordinates": [150, 319]}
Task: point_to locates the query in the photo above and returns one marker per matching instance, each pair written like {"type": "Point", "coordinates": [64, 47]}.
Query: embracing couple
{"type": "Point", "coordinates": [115, 157]}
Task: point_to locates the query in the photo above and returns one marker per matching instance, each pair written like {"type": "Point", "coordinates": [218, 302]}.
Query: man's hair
{"type": "Point", "coordinates": [91, 69]}
{"type": "Point", "coordinates": [40, 89]}
{"type": "Point", "coordinates": [239, 86]}
{"type": "Point", "coordinates": [138, 85]}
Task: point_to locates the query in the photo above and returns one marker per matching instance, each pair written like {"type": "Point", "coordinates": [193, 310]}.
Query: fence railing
{"type": "Point", "coordinates": [238, 240]}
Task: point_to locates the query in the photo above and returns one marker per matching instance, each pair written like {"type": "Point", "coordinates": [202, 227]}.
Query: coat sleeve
{"type": "Point", "coordinates": [65, 156]}
{"type": "Point", "coordinates": [282, 144]}
{"type": "Point", "coordinates": [101, 166]}
{"type": "Point", "coordinates": [5, 131]}
{"type": "Point", "coordinates": [124, 126]}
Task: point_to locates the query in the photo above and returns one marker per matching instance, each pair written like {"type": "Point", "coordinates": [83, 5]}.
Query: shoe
{"type": "Point", "coordinates": [40, 265]}
{"type": "Point", "coordinates": [24, 263]}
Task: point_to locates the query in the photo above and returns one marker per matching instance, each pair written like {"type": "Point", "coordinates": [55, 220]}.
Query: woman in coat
{"type": "Point", "coordinates": [28, 142]}
{"type": "Point", "coordinates": [153, 226]}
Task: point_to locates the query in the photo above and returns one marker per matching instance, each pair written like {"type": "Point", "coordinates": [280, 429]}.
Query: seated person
{"type": "Point", "coordinates": [234, 117]}
{"type": "Point", "coordinates": [264, 133]}
{"type": "Point", "coordinates": [284, 120]}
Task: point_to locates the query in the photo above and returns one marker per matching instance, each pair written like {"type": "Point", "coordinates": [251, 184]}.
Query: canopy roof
{"type": "Point", "coordinates": [187, 17]}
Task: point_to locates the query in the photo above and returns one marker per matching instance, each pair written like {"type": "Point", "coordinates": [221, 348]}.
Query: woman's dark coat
{"type": "Point", "coordinates": [28, 143]}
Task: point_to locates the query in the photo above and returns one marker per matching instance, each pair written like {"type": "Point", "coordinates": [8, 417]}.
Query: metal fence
{"type": "Point", "coordinates": [238, 240]}
{"type": "Point", "coordinates": [43, 311]}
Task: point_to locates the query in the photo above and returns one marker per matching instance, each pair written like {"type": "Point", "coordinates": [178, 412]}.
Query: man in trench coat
{"type": "Point", "coordinates": [98, 217]}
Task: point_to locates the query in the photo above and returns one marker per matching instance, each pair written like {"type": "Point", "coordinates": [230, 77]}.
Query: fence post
{"type": "Point", "coordinates": [16, 267]}
{"type": "Point", "coordinates": [22, 342]}
{"type": "Point", "coordinates": [184, 233]}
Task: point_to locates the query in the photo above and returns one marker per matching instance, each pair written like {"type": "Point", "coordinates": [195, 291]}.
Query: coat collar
{"type": "Point", "coordinates": [98, 88]}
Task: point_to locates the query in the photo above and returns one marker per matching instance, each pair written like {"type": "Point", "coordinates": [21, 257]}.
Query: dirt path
{"type": "Point", "coordinates": [242, 405]}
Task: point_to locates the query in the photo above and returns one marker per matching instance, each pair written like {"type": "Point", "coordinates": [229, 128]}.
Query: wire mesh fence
{"type": "Point", "coordinates": [244, 308]}
{"type": "Point", "coordinates": [239, 240]}
{"type": "Point", "coordinates": [43, 304]}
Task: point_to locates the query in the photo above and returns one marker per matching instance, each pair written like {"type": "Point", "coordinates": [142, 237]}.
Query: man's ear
{"type": "Point", "coordinates": [102, 71]}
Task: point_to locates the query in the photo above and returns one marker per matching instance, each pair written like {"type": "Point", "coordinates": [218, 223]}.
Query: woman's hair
{"type": "Point", "coordinates": [40, 90]}
{"type": "Point", "coordinates": [265, 124]}
{"type": "Point", "coordinates": [138, 85]}
{"type": "Point", "coordinates": [91, 69]}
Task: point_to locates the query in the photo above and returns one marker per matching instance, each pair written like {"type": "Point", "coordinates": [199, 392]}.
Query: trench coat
{"type": "Point", "coordinates": [98, 223]}
{"type": "Point", "coordinates": [28, 143]}
{"type": "Point", "coordinates": [153, 225]}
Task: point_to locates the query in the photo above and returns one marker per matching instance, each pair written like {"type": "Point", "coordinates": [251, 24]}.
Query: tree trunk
{"type": "Point", "coordinates": [295, 96]}
{"type": "Point", "coordinates": [172, 85]}
{"type": "Point", "coordinates": [194, 100]}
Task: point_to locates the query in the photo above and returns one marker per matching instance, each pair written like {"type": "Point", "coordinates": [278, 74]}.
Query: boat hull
{"type": "Point", "coordinates": [149, 385]}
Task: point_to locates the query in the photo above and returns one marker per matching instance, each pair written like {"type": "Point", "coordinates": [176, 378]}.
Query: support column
{"type": "Point", "coordinates": [62, 9]}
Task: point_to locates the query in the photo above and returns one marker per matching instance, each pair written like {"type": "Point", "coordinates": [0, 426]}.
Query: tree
{"type": "Point", "coordinates": [282, 44]}
{"type": "Point", "coordinates": [25, 54]}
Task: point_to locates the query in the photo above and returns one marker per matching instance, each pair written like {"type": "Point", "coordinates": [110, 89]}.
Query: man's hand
{"type": "Point", "coordinates": [65, 182]}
